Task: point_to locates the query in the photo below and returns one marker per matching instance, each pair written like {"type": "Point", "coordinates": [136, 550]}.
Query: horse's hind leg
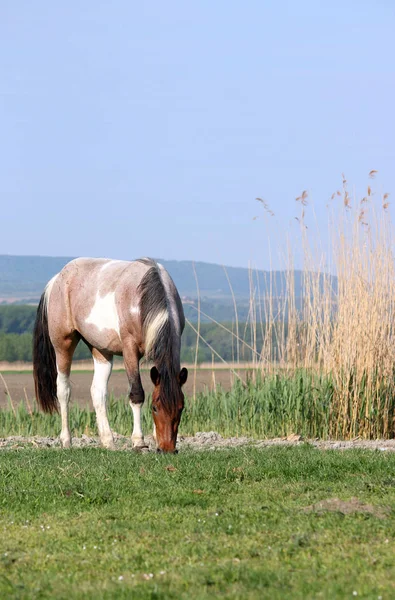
{"type": "Point", "coordinates": [103, 368]}
{"type": "Point", "coordinates": [64, 393]}
{"type": "Point", "coordinates": [64, 355]}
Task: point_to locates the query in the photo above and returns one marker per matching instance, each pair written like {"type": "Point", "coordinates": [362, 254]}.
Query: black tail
{"type": "Point", "coordinates": [44, 361]}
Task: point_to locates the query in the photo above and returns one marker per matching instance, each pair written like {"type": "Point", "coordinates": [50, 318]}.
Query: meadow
{"type": "Point", "coordinates": [280, 522]}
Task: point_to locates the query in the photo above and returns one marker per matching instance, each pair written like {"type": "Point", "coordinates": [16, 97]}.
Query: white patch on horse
{"type": "Point", "coordinates": [110, 263]}
{"type": "Point", "coordinates": [135, 310]}
{"type": "Point", "coordinates": [104, 314]}
{"type": "Point", "coordinates": [153, 330]}
{"type": "Point", "coordinates": [164, 276]}
{"type": "Point", "coordinates": [48, 290]}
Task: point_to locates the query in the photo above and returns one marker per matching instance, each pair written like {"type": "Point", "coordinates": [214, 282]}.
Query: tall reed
{"type": "Point", "coordinates": [343, 326]}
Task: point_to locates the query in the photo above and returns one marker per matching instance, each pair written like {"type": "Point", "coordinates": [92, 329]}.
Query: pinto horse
{"type": "Point", "coordinates": [129, 309]}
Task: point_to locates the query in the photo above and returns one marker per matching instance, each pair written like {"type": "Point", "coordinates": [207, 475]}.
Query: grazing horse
{"type": "Point", "coordinates": [129, 309]}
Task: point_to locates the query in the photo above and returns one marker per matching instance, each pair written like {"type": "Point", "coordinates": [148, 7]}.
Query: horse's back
{"type": "Point", "coordinates": [92, 296]}
{"type": "Point", "coordinates": [83, 278]}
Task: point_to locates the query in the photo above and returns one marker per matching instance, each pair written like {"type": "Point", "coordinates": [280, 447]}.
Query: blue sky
{"type": "Point", "coordinates": [149, 128]}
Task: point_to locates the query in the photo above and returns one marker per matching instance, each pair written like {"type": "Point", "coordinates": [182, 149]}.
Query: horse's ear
{"type": "Point", "coordinates": [183, 376]}
{"type": "Point", "coordinates": [155, 376]}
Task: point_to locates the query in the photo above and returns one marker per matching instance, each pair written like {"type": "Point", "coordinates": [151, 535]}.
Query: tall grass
{"type": "Point", "coordinates": [276, 405]}
{"type": "Point", "coordinates": [343, 327]}
{"type": "Point", "coordinates": [345, 331]}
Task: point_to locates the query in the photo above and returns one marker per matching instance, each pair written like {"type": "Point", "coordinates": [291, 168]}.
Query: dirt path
{"type": "Point", "coordinates": [201, 441]}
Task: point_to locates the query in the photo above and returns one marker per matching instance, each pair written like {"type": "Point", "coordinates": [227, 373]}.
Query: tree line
{"type": "Point", "coordinates": [16, 332]}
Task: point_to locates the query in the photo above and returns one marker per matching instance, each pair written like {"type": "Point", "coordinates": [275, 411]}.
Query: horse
{"type": "Point", "coordinates": [123, 308]}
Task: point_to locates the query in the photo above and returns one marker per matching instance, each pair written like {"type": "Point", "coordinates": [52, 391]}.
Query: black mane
{"type": "Point", "coordinates": [165, 351]}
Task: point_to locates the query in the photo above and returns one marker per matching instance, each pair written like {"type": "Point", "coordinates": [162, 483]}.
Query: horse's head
{"type": "Point", "coordinates": [167, 407]}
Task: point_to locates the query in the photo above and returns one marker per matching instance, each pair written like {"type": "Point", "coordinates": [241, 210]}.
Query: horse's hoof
{"type": "Point", "coordinates": [141, 449]}
{"type": "Point", "coordinates": [139, 444]}
{"type": "Point", "coordinates": [109, 446]}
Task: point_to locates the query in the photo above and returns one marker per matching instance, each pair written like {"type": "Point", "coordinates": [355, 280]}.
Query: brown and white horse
{"type": "Point", "coordinates": [117, 308]}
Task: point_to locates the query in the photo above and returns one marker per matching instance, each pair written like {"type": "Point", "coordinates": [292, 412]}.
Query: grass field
{"type": "Point", "coordinates": [230, 524]}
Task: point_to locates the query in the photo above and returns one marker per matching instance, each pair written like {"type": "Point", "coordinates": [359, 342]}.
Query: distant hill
{"type": "Point", "coordinates": [22, 278]}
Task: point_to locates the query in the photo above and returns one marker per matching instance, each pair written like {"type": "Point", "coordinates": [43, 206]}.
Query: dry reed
{"type": "Point", "coordinates": [343, 326]}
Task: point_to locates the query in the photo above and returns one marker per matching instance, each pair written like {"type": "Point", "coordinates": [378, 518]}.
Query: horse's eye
{"type": "Point", "coordinates": [155, 410]}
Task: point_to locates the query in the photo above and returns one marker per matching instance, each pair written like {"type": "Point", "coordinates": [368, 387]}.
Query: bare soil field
{"type": "Point", "coordinates": [19, 382]}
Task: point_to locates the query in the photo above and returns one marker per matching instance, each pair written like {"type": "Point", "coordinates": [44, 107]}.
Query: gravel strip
{"type": "Point", "coordinates": [201, 441]}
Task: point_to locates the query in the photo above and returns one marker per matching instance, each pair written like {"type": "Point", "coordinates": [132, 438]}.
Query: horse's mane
{"type": "Point", "coordinates": [159, 328]}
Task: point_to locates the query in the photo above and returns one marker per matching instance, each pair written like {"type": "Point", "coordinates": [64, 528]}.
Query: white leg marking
{"type": "Point", "coordinates": [99, 399]}
{"type": "Point", "coordinates": [63, 389]}
{"type": "Point", "coordinates": [137, 435]}
{"type": "Point", "coordinates": [154, 432]}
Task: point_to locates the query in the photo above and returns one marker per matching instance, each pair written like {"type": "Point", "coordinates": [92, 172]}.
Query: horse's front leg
{"type": "Point", "coordinates": [131, 357]}
{"type": "Point", "coordinates": [99, 392]}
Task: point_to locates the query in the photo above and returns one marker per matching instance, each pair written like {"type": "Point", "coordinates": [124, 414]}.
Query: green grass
{"type": "Point", "coordinates": [227, 524]}
{"type": "Point", "coordinates": [301, 402]}
{"type": "Point", "coordinates": [276, 405]}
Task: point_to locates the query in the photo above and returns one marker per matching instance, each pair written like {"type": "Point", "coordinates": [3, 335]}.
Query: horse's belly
{"type": "Point", "coordinates": [102, 339]}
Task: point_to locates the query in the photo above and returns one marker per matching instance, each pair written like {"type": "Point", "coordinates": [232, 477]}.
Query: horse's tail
{"type": "Point", "coordinates": [155, 315]}
{"type": "Point", "coordinates": [44, 359]}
